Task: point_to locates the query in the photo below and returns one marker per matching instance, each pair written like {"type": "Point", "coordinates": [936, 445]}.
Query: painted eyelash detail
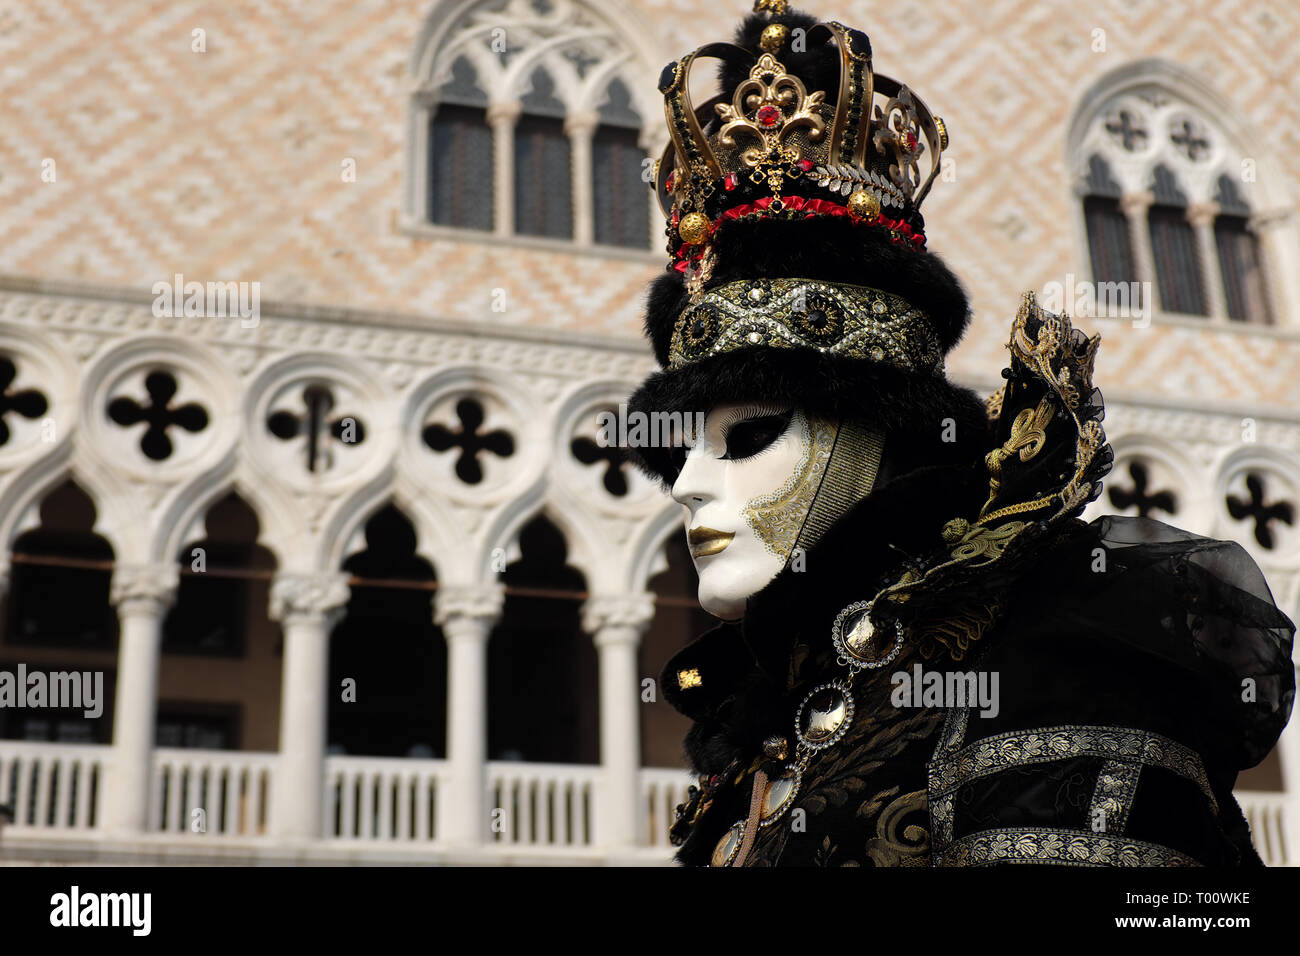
{"type": "Point", "coordinates": [748, 412]}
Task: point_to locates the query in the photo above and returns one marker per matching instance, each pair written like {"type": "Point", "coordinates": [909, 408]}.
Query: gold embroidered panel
{"type": "Point", "coordinates": [1046, 845]}
{"type": "Point", "coordinates": [1017, 749]}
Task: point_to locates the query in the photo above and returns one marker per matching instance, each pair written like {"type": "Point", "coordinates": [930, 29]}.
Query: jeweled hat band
{"type": "Point", "coordinates": [852, 321]}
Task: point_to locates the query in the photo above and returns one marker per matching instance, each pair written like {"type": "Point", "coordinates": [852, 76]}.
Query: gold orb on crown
{"type": "Point", "coordinates": [694, 228]}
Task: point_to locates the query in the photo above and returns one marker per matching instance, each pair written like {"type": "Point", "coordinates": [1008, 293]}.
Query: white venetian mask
{"type": "Point", "coordinates": [747, 484]}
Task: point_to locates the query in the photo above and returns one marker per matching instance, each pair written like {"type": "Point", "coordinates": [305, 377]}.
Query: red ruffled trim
{"type": "Point", "coordinates": [900, 231]}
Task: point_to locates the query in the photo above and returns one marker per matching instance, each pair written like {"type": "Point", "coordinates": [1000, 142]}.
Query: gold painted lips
{"type": "Point", "coordinates": [706, 541]}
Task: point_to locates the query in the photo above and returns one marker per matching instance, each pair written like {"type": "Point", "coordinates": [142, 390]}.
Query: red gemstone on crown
{"type": "Point", "coordinates": [911, 141]}
{"type": "Point", "coordinates": [768, 115]}
{"type": "Point", "coordinates": [730, 182]}
{"type": "Point", "coordinates": [806, 165]}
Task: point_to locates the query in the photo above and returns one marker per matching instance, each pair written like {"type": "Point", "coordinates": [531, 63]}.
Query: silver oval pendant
{"type": "Point", "coordinates": [729, 845]}
{"type": "Point", "coordinates": [779, 795]}
{"type": "Point", "coordinates": [825, 715]}
{"type": "Point", "coordinates": [857, 640]}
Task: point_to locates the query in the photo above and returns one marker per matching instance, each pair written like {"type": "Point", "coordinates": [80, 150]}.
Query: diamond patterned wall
{"type": "Point", "coordinates": [226, 164]}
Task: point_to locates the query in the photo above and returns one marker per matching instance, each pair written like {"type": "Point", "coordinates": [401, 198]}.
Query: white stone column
{"type": "Point", "coordinates": [580, 127]}
{"type": "Point", "coordinates": [142, 594]}
{"type": "Point", "coordinates": [1135, 207]}
{"type": "Point", "coordinates": [1201, 216]}
{"type": "Point", "coordinates": [307, 607]}
{"type": "Point", "coordinates": [466, 614]}
{"type": "Point", "coordinates": [616, 623]}
{"type": "Point", "coordinates": [501, 117]}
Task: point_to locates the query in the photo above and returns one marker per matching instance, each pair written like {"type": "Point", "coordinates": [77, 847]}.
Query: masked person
{"type": "Point", "coordinates": [925, 656]}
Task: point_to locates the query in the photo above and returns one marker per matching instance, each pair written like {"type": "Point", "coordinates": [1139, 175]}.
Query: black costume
{"type": "Point", "coordinates": [1139, 668]}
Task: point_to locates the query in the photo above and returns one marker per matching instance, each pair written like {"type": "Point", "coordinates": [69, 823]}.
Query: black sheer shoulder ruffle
{"type": "Point", "coordinates": [1175, 631]}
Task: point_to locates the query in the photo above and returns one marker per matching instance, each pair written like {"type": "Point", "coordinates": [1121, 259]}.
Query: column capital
{"type": "Point", "coordinates": [144, 588]}
{"type": "Point", "coordinates": [610, 617]}
{"type": "Point", "coordinates": [581, 124]}
{"type": "Point", "coordinates": [1202, 213]}
{"type": "Point", "coordinates": [503, 111]}
{"type": "Point", "coordinates": [476, 602]}
{"type": "Point", "coordinates": [1132, 204]}
{"type": "Point", "coordinates": [308, 596]}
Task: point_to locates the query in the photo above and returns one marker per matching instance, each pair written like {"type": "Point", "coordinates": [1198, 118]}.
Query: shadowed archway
{"type": "Point", "coordinates": [542, 682]}
{"type": "Point", "coordinates": [390, 651]}
{"type": "Point", "coordinates": [57, 615]}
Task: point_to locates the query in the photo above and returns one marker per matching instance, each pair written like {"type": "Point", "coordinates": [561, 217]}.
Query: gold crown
{"type": "Point", "coordinates": [834, 318]}
{"type": "Point", "coordinates": [773, 134]}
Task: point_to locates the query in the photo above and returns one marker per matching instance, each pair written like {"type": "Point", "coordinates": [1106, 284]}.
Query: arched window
{"type": "Point", "coordinates": [460, 153]}
{"type": "Point", "coordinates": [1179, 272]}
{"type": "Point", "coordinates": [228, 698]}
{"type": "Point", "coordinates": [388, 659]}
{"type": "Point", "coordinates": [524, 122]}
{"type": "Point", "coordinates": [1109, 244]}
{"type": "Point", "coordinates": [542, 668]}
{"type": "Point", "coordinates": [1168, 198]}
{"type": "Point", "coordinates": [1244, 284]}
{"type": "Point", "coordinates": [543, 190]}
{"type": "Point", "coordinates": [622, 216]}
{"type": "Point", "coordinates": [221, 598]}
{"type": "Point", "coordinates": [57, 597]}
{"type": "Point", "coordinates": [58, 616]}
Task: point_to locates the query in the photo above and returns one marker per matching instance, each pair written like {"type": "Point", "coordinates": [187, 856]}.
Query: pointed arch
{"type": "Point", "coordinates": [118, 518]}
{"type": "Point", "coordinates": [183, 516]}
{"type": "Point", "coordinates": [436, 531]}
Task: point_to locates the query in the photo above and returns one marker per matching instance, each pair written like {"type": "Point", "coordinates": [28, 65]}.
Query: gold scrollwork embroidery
{"type": "Point", "coordinates": [1028, 436]}
{"type": "Point", "coordinates": [777, 517]}
{"type": "Point", "coordinates": [979, 542]}
{"type": "Point", "coordinates": [911, 847]}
